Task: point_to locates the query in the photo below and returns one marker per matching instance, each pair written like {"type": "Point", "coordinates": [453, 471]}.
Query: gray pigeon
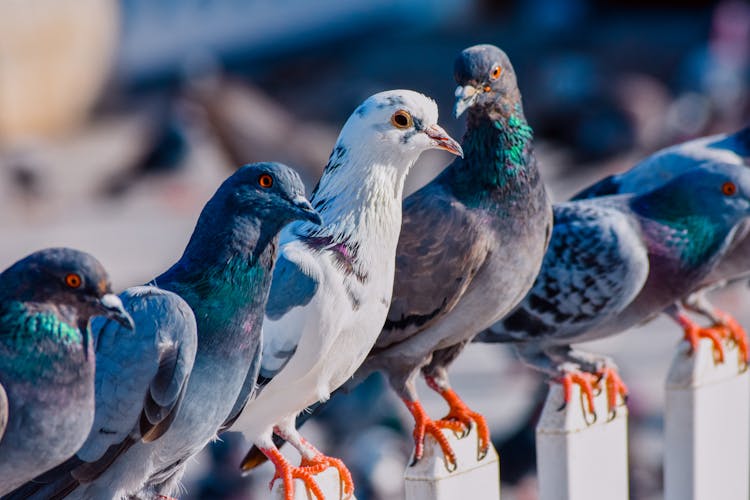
{"type": "Point", "coordinates": [47, 358]}
{"type": "Point", "coordinates": [733, 265]}
{"type": "Point", "coordinates": [617, 261]}
{"type": "Point", "coordinates": [471, 243]}
{"type": "Point", "coordinates": [140, 445]}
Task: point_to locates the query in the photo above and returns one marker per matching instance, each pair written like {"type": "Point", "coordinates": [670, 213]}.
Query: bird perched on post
{"type": "Point", "coordinates": [733, 265]}
{"type": "Point", "coordinates": [332, 286]}
{"type": "Point", "coordinates": [140, 446]}
{"type": "Point", "coordinates": [617, 261]}
{"type": "Point", "coordinates": [47, 358]}
{"type": "Point", "coordinates": [471, 243]}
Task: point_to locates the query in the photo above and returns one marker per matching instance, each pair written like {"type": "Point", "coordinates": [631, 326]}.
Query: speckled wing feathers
{"type": "Point", "coordinates": [594, 266]}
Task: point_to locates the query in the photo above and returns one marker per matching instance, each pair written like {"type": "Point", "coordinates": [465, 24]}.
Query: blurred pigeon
{"type": "Point", "coordinates": [471, 244]}
{"type": "Point", "coordinates": [333, 284]}
{"type": "Point", "coordinates": [617, 261]}
{"type": "Point", "coordinates": [47, 358]}
{"type": "Point", "coordinates": [734, 264]}
{"type": "Point", "coordinates": [141, 446]}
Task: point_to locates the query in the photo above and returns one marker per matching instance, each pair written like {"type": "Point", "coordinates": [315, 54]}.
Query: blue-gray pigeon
{"type": "Point", "coordinates": [333, 284]}
{"type": "Point", "coordinates": [164, 394]}
{"type": "Point", "coordinates": [733, 265]}
{"type": "Point", "coordinates": [618, 261]}
{"type": "Point", "coordinates": [47, 358]}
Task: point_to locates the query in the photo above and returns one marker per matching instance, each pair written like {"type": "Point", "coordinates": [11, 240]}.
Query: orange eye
{"type": "Point", "coordinates": [496, 72]}
{"type": "Point", "coordinates": [401, 119]}
{"type": "Point", "coordinates": [729, 188]}
{"type": "Point", "coordinates": [265, 181]}
{"type": "Point", "coordinates": [73, 280]}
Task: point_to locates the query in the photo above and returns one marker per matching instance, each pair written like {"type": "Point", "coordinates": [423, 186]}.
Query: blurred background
{"type": "Point", "coordinates": [118, 120]}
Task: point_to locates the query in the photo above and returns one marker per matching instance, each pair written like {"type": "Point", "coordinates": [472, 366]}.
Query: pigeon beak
{"type": "Point", "coordinates": [465, 98]}
{"type": "Point", "coordinates": [306, 210]}
{"type": "Point", "coordinates": [112, 308]}
{"type": "Point", "coordinates": [441, 140]}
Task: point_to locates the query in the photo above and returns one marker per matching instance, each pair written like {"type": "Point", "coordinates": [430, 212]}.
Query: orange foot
{"type": "Point", "coordinates": [424, 425]}
{"type": "Point", "coordinates": [734, 331]}
{"type": "Point", "coordinates": [694, 332]}
{"type": "Point", "coordinates": [614, 386]}
{"type": "Point", "coordinates": [586, 381]}
{"type": "Point", "coordinates": [288, 473]}
{"type": "Point", "coordinates": [321, 462]}
{"type": "Point", "coordinates": [459, 413]}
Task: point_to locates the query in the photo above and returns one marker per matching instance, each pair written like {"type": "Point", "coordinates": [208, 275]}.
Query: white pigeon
{"type": "Point", "coordinates": [332, 284]}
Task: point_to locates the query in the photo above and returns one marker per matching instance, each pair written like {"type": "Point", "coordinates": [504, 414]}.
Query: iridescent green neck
{"type": "Point", "coordinates": [497, 153]}
{"type": "Point", "coordinates": [682, 226]}
{"type": "Point", "coordinates": [24, 329]}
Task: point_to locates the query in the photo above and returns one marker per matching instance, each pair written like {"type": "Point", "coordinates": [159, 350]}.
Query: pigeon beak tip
{"type": "Point", "coordinates": [113, 309]}
{"type": "Point", "coordinates": [306, 211]}
{"type": "Point", "coordinates": [440, 139]}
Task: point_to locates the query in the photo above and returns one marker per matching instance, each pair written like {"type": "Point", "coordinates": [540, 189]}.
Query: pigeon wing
{"type": "Point", "coordinates": [595, 265]}
{"type": "Point", "coordinates": [296, 279]}
{"type": "Point", "coordinates": [141, 375]}
{"type": "Point", "coordinates": [441, 249]}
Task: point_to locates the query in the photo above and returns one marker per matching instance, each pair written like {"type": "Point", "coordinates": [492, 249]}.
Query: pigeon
{"type": "Point", "coordinates": [193, 387]}
{"type": "Point", "coordinates": [47, 358]}
{"type": "Point", "coordinates": [472, 242]}
{"type": "Point", "coordinates": [332, 285]}
{"type": "Point", "coordinates": [734, 264]}
{"type": "Point", "coordinates": [615, 262]}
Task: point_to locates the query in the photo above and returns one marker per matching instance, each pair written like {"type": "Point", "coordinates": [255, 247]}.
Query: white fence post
{"type": "Point", "coordinates": [474, 479]}
{"type": "Point", "coordinates": [328, 480]}
{"type": "Point", "coordinates": [579, 460]}
{"type": "Point", "coordinates": [707, 427]}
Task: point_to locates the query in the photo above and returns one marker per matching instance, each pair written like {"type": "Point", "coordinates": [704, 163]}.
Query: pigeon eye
{"type": "Point", "coordinates": [401, 119]}
{"type": "Point", "coordinates": [728, 188]}
{"type": "Point", "coordinates": [265, 181]}
{"type": "Point", "coordinates": [496, 72]}
{"type": "Point", "coordinates": [72, 280]}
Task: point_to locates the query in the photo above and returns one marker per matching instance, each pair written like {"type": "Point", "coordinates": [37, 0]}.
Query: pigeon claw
{"type": "Point", "coordinates": [734, 332]}
{"type": "Point", "coordinates": [423, 425]}
{"type": "Point", "coordinates": [288, 473]}
{"type": "Point", "coordinates": [615, 386]}
{"type": "Point", "coordinates": [694, 333]}
{"type": "Point", "coordinates": [322, 462]}
{"type": "Point", "coordinates": [461, 414]}
{"type": "Point", "coordinates": [586, 381]}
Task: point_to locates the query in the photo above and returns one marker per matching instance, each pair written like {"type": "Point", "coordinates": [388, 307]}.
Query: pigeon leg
{"type": "Point", "coordinates": [458, 413]}
{"type": "Point", "coordinates": [694, 332]}
{"type": "Point", "coordinates": [423, 425]}
{"type": "Point", "coordinates": [699, 303]}
{"type": "Point", "coordinates": [313, 461]}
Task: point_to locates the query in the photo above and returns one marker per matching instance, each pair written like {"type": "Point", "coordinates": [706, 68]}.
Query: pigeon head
{"type": "Point", "coordinates": [74, 281]}
{"type": "Point", "coordinates": [717, 192]}
{"type": "Point", "coordinates": [272, 192]}
{"type": "Point", "coordinates": [485, 79]}
{"type": "Point", "coordinates": [397, 123]}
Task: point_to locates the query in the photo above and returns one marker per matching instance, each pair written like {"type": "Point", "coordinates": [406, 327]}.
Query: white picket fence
{"type": "Point", "coordinates": [707, 445]}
